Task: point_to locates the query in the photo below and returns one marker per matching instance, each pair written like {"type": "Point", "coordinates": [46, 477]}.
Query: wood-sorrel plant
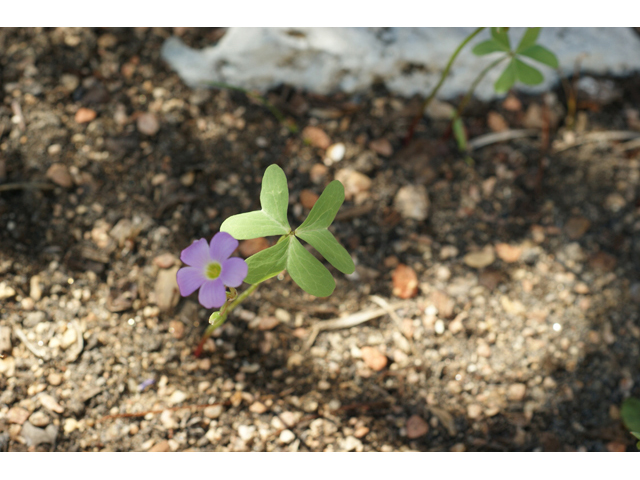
{"type": "Point", "coordinates": [211, 269]}
{"type": "Point", "coordinates": [516, 70]}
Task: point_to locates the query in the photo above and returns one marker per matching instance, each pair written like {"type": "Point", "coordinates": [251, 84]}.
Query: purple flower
{"type": "Point", "coordinates": [210, 269]}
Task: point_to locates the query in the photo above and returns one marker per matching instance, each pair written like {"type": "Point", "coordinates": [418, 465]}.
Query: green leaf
{"type": "Point", "coordinates": [527, 74]}
{"type": "Point", "coordinates": [529, 38]}
{"type": "Point", "coordinates": [268, 263]}
{"type": "Point", "coordinates": [325, 243]}
{"type": "Point", "coordinates": [500, 36]}
{"type": "Point", "coordinates": [487, 47]}
{"type": "Point", "coordinates": [630, 413]}
{"type": "Point", "coordinates": [325, 208]}
{"type": "Point", "coordinates": [314, 229]}
{"type": "Point", "coordinates": [307, 271]}
{"type": "Point", "coordinates": [252, 225]}
{"type": "Point", "coordinates": [272, 219]}
{"type": "Point", "coordinates": [541, 54]}
{"type": "Point", "coordinates": [507, 79]}
{"type": "Point", "coordinates": [636, 434]}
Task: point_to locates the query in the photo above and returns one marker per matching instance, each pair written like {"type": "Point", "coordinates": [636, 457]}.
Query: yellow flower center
{"type": "Point", "coordinates": [213, 271]}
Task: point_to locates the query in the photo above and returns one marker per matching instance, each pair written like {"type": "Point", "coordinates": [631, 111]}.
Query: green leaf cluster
{"type": "Point", "coordinates": [630, 413]}
{"type": "Point", "coordinates": [289, 254]}
{"type": "Point", "coordinates": [516, 69]}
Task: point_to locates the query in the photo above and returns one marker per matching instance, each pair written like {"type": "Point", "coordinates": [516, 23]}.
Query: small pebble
{"type": "Point", "coordinates": [69, 338]}
{"type": "Point", "coordinates": [318, 173]}
{"type": "Point", "coordinates": [39, 419]}
{"type": "Point", "coordinates": [148, 124]}
{"type": "Point", "coordinates": [59, 174]}
{"type": "Point", "coordinates": [246, 432]}
{"type": "Point", "coordinates": [287, 436]}
{"type": "Point", "coordinates": [5, 339]}
{"type": "Point", "coordinates": [258, 407]}
{"type": "Point", "coordinates": [412, 202]}
{"type": "Point", "coordinates": [405, 282]}
{"type": "Point", "coordinates": [70, 425]}
{"type": "Point", "coordinates": [85, 115]}
{"type": "Point", "coordinates": [335, 153]}
{"type": "Point", "coordinates": [213, 411]}
{"type": "Point", "coordinates": [316, 137]}
{"type": "Point", "coordinates": [373, 358]}
{"type": "Point", "coordinates": [308, 198]}
{"type": "Point", "coordinates": [168, 421]}
{"type": "Point", "coordinates": [177, 397]}
{"type": "Point", "coordinates": [516, 392]}
{"type": "Point", "coordinates": [50, 403]}
{"type": "Point", "coordinates": [381, 146]}
{"type": "Point", "coordinates": [481, 259]}
{"type": "Point", "coordinates": [416, 427]}
{"type": "Point", "coordinates": [162, 446]}
{"type": "Point", "coordinates": [17, 415]}
{"type": "Point", "coordinates": [54, 379]}
{"type": "Point", "coordinates": [253, 246]}
{"type": "Point", "coordinates": [474, 411]}
{"type": "Point", "coordinates": [166, 260]}
{"type": "Point", "coordinates": [268, 323]}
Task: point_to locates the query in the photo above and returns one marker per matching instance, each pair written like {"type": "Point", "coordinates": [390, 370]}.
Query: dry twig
{"type": "Point", "coordinates": [490, 138]}
{"type": "Point", "coordinates": [345, 322]}
{"type": "Point", "coordinates": [37, 351]}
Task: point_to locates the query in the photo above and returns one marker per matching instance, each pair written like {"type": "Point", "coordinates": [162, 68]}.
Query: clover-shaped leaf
{"type": "Point", "coordinates": [272, 219]}
{"type": "Point", "coordinates": [528, 39]}
{"type": "Point", "coordinates": [516, 69]}
{"type": "Point", "coordinates": [314, 229]}
{"type": "Point", "coordinates": [541, 54]}
{"type": "Point", "coordinates": [307, 271]}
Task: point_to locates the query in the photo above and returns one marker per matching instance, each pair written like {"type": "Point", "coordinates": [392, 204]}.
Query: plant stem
{"type": "Point", "coordinates": [443, 76]}
{"type": "Point", "coordinates": [223, 317]}
{"type": "Point", "coordinates": [469, 94]}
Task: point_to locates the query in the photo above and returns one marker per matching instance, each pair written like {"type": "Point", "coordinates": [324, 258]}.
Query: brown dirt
{"type": "Point", "coordinates": [534, 351]}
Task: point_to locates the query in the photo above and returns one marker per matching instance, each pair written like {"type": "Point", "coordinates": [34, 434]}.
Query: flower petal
{"type": "Point", "coordinates": [196, 254]}
{"type": "Point", "coordinates": [189, 280]}
{"type": "Point", "coordinates": [222, 246]}
{"type": "Point", "coordinates": [234, 271]}
{"type": "Point", "coordinates": [212, 294]}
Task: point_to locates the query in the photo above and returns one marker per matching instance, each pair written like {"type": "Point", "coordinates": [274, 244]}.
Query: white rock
{"type": "Point", "coordinates": [324, 60]}
{"type": "Point", "coordinates": [168, 421]}
{"type": "Point", "coordinates": [68, 338]}
{"type": "Point", "coordinates": [177, 397]}
{"type": "Point", "coordinates": [412, 201]}
{"type": "Point", "coordinates": [70, 425]}
{"type": "Point", "coordinates": [246, 432]}
{"type": "Point", "coordinates": [287, 436]}
{"type": "Point", "coordinates": [351, 443]}
{"type": "Point", "coordinates": [6, 291]}
{"type": "Point", "coordinates": [336, 152]}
